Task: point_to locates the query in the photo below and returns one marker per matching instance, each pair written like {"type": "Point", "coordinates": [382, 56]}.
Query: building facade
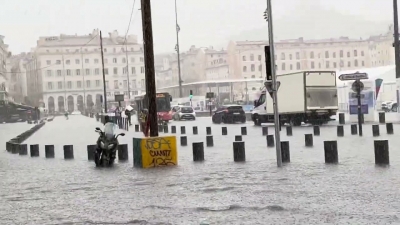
{"type": "Point", "coordinates": [3, 63]}
{"type": "Point", "coordinates": [70, 67]}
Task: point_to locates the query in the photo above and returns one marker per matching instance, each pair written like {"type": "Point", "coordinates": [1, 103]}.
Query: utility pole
{"type": "Point", "coordinates": [274, 85]}
{"type": "Point", "coordinates": [177, 50]}
{"type": "Point", "coordinates": [83, 78]}
{"type": "Point", "coordinates": [104, 75]}
{"type": "Point", "coordinates": [149, 66]}
{"type": "Point", "coordinates": [127, 71]}
{"type": "Point", "coordinates": [65, 87]}
{"type": "Point", "coordinates": [396, 38]}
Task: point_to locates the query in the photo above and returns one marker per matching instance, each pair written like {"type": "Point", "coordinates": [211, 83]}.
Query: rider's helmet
{"type": "Point", "coordinates": [106, 119]}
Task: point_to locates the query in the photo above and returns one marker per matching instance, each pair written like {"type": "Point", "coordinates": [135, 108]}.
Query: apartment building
{"type": "Point", "coordinates": [3, 62]}
{"type": "Point", "coordinates": [70, 67]}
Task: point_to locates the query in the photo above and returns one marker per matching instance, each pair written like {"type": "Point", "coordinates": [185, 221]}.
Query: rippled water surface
{"type": "Point", "coordinates": [217, 191]}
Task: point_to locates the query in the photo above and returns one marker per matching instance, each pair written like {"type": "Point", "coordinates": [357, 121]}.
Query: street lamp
{"type": "Point", "coordinates": [273, 85]}
{"type": "Point", "coordinates": [177, 50]}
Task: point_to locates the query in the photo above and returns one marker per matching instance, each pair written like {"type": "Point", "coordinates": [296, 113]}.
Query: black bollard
{"type": "Point", "coordinates": [308, 140]}
{"type": "Point", "coordinates": [91, 150]}
{"type": "Point", "coordinates": [165, 128]}
{"type": "Point", "coordinates": [381, 149]}
{"type": "Point", "coordinates": [270, 140]}
{"type": "Point", "coordinates": [243, 130]}
{"type": "Point", "coordinates": [264, 131]}
{"type": "Point", "coordinates": [239, 151]}
{"type": "Point", "coordinates": [208, 130]}
{"type": "Point", "coordinates": [382, 118]}
{"type": "Point", "coordinates": [136, 127]}
{"type": "Point", "coordinates": [209, 141]}
{"type": "Point", "coordinates": [198, 151]}
{"type": "Point", "coordinates": [316, 130]}
{"type": "Point", "coordinates": [224, 131]}
{"type": "Point", "coordinates": [289, 131]}
{"type": "Point", "coordinates": [285, 151]}
{"type": "Point", "coordinates": [183, 130]}
{"type": "Point", "coordinates": [331, 152]}
{"type": "Point", "coordinates": [23, 149]}
{"type": "Point", "coordinates": [195, 130]}
{"type": "Point", "coordinates": [123, 152]}
{"type": "Point", "coordinates": [389, 128]}
{"type": "Point", "coordinates": [353, 129]}
{"type": "Point", "coordinates": [14, 148]}
{"type": "Point", "coordinates": [49, 151]}
{"type": "Point", "coordinates": [173, 129]}
{"type": "Point", "coordinates": [8, 146]}
{"type": "Point", "coordinates": [68, 151]}
{"type": "Point", "coordinates": [160, 128]}
{"type": "Point", "coordinates": [183, 141]}
{"type": "Point", "coordinates": [340, 131]}
{"type": "Point", "coordinates": [34, 150]}
{"type": "Point", "coordinates": [341, 118]}
{"type": "Point", "coordinates": [375, 130]}
{"type": "Point", "coordinates": [238, 138]}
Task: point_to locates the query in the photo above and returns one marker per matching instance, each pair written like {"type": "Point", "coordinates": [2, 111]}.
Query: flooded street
{"type": "Point", "coordinates": [217, 191]}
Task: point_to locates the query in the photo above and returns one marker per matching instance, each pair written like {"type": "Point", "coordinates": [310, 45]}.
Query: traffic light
{"type": "Point", "coordinates": [191, 94]}
{"type": "Point", "coordinates": [268, 65]}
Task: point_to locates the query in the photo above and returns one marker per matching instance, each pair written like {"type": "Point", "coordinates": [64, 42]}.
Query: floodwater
{"type": "Point", "coordinates": [217, 191]}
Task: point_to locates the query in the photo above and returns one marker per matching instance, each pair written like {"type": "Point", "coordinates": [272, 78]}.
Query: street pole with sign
{"type": "Point", "coordinates": [357, 87]}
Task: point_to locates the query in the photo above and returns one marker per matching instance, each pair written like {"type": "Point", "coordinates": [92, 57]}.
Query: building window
{"type": "Point", "coordinates": [123, 60]}
{"type": "Point", "coordinates": [291, 67]}
{"type": "Point", "coordinates": [115, 70]}
{"type": "Point", "coordinates": [58, 72]}
{"type": "Point", "coordinates": [290, 56]}
{"type": "Point", "coordinates": [142, 82]}
{"type": "Point", "coordinates": [105, 61]}
{"type": "Point", "coordinates": [68, 72]}
{"type": "Point", "coordinates": [311, 55]}
{"type": "Point", "coordinates": [312, 65]}
{"type": "Point", "coordinates": [253, 68]}
{"type": "Point", "coordinates": [69, 84]}
{"type": "Point", "coordinates": [77, 61]}
{"type": "Point", "coordinates": [134, 83]}
{"type": "Point", "coordinates": [48, 73]}
{"type": "Point", "coordinates": [259, 57]}
{"type": "Point", "coordinates": [96, 61]}
{"type": "Point", "coordinates": [114, 60]}
{"type": "Point", "coordinates": [282, 56]}
{"type": "Point", "coordinates": [133, 69]}
{"type": "Point", "coordinates": [297, 55]}
{"type": "Point", "coordinates": [58, 62]}
{"type": "Point", "coordinates": [132, 59]}
{"type": "Point", "coordinates": [283, 66]}
{"type": "Point", "coordinates": [348, 64]}
{"type": "Point", "coordinates": [251, 57]}
{"type": "Point", "coordinates": [48, 62]}
{"type": "Point", "coordinates": [97, 83]}
{"type": "Point", "coordinates": [356, 62]}
{"type": "Point", "coordinates": [260, 68]}
{"type": "Point", "coordinates": [362, 53]}
{"type": "Point", "coordinates": [107, 84]}
{"type": "Point", "coordinates": [341, 53]}
{"type": "Point", "coordinates": [78, 72]}
{"type": "Point", "coordinates": [142, 69]}
{"type": "Point", "coordinates": [88, 83]}
{"type": "Point", "coordinates": [141, 59]}
{"type": "Point", "coordinates": [244, 69]}
{"type": "Point", "coordinates": [115, 84]}
{"type": "Point", "coordinates": [334, 55]}
{"type": "Point", "coordinates": [348, 54]}
{"type": "Point", "coordinates": [362, 63]}
{"type": "Point", "coordinates": [97, 71]}
{"type": "Point", "coordinates": [105, 71]}
{"type": "Point", "coordinates": [68, 62]}
{"type": "Point", "coordinates": [124, 70]}
{"type": "Point", "coordinates": [334, 65]}
{"type": "Point", "coordinates": [327, 64]}
{"type": "Point", "coordinates": [244, 58]}
{"type": "Point", "coordinates": [79, 84]}
{"type": "Point", "coordinates": [87, 71]}
{"type": "Point", "coordinates": [125, 84]}
{"type": "Point", "coordinates": [319, 65]}
{"type": "Point", "coordinates": [297, 65]}
{"type": "Point", "coordinates": [86, 60]}
{"type": "Point", "coordinates": [59, 85]}
{"type": "Point", "coordinates": [326, 54]}
{"type": "Point", "coordinates": [355, 53]}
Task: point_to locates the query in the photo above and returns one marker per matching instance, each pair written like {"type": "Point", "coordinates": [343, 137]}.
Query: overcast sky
{"type": "Point", "coordinates": [202, 22]}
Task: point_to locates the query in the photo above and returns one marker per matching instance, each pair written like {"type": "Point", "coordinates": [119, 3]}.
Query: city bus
{"type": "Point", "coordinates": [163, 101]}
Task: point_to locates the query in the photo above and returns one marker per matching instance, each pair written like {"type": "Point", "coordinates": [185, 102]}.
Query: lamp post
{"type": "Point", "coordinates": [273, 87]}
{"type": "Point", "coordinates": [83, 83]}
{"type": "Point", "coordinates": [177, 50]}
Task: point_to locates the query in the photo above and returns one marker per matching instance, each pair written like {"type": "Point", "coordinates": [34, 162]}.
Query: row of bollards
{"type": "Point", "coordinates": [22, 149]}
{"type": "Point", "coordinates": [381, 149]}
{"type": "Point", "coordinates": [164, 128]}
{"type": "Point", "coordinates": [121, 122]}
{"type": "Point", "coordinates": [382, 118]}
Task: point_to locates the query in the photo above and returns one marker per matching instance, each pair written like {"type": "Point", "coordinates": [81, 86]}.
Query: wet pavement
{"type": "Point", "coordinates": [217, 191]}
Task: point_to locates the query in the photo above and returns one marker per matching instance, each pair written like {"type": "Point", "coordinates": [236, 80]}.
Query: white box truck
{"type": "Point", "coordinates": [307, 96]}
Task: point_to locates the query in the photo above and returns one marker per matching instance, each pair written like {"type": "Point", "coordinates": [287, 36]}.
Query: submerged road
{"type": "Point", "coordinates": [218, 191]}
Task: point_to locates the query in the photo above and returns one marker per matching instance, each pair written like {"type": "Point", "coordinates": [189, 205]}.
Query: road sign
{"type": "Point", "coordinates": [353, 76]}
{"type": "Point", "coordinates": [357, 86]}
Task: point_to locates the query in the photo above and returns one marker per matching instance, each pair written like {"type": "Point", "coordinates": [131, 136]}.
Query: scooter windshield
{"type": "Point", "coordinates": [110, 130]}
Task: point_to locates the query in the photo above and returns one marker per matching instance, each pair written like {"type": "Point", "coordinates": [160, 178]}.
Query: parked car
{"type": "Point", "coordinates": [229, 114]}
{"type": "Point", "coordinates": [389, 106]}
{"type": "Point", "coordinates": [185, 113]}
